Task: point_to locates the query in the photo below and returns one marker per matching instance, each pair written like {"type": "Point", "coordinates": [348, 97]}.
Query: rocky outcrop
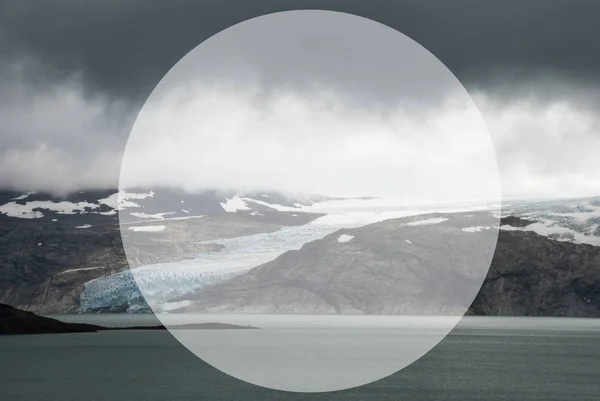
{"type": "Point", "coordinates": [15, 321]}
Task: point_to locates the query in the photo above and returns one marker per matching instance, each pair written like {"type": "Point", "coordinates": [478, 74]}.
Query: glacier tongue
{"type": "Point", "coordinates": [147, 284]}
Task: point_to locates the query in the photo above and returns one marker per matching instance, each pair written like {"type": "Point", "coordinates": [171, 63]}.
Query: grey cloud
{"type": "Point", "coordinates": [369, 65]}
{"type": "Point", "coordinates": [109, 55]}
{"type": "Point", "coordinates": [57, 140]}
{"type": "Point", "coordinates": [124, 47]}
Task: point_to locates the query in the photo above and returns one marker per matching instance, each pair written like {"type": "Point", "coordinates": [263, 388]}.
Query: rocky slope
{"type": "Point", "coordinates": [429, 264]}
{"type": "Point", "coordinates": [377, 273]}
{"type": "Point", "coordinates": [43, 266]}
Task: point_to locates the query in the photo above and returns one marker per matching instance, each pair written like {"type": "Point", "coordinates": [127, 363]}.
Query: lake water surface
{"type": "Point", "coordinates": [483, 359]}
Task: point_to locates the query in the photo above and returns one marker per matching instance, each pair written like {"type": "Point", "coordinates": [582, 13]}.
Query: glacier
{"type": "Point", "coordinates": [159, 283]}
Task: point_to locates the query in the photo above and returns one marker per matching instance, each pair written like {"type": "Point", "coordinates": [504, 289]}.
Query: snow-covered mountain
{"type": "Point", "coordinates": [87, 208]}
{"type": "Point", "coordinates": [65, 253]}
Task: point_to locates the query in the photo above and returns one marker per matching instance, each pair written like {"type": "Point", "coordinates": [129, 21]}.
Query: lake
{"type": "Point", "coordinates": [482, 359]}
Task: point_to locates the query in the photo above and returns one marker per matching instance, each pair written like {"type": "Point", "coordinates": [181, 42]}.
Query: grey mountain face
{"type": "Point", "coordinates": [391, 267]}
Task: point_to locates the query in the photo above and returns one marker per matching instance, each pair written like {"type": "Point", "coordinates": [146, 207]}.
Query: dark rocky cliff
{"type": "Point", "coordinates": [40, 262]}
{"type": "Point", "coordinates": [532, 275]}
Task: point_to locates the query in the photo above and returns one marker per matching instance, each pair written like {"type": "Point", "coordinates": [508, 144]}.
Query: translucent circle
{"type": "Point", "coordinates": [309, 201]}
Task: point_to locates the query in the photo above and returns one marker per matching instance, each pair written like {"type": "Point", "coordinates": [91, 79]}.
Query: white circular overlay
{"type": "Point", "coordinates": [309, 201]}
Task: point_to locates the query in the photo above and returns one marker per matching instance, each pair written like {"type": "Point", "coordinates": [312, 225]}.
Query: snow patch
{"type": "Point", "coordinates": [345, 238]}
{"type": "Point", "coordinates": [550, 229]}
{"type": "Point", "coordinates": [475, 229]}
{"type": "Point", "coordinates": [13, 209]}
{"type": "Point", "coordinates": [165, 219]}
{"type": "Point", "coordinates": [148, 228]}
{"type": "Point", "coordinates": [24, 196]}
{"type": "Point", "coordinates": [274, 206]}
{"type": "Point", "coordinates": [156, 216]}
{"type": "Point", "coordinates": [435, 220]}
{"type": "Point", "coordinates": [234, 204]}
{"type": "Point", "coordinates": [122, 199]}
{"type": "Point", "coordinates": [109, 213]}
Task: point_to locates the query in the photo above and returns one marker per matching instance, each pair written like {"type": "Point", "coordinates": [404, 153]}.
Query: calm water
{"type": "Point", "coordinates": [483, 359]}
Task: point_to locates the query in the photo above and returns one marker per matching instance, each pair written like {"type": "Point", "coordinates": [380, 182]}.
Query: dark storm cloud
{"type": "Point", "coordinates": [124, 47]}
{"type": "Point", "coordinates": [369, 65]}
{"type": "Point", "coordinates": [74, 74]}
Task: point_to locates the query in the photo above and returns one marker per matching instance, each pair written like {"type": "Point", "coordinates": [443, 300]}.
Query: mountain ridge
{"type": "Point", "coordinates": [44, 264]}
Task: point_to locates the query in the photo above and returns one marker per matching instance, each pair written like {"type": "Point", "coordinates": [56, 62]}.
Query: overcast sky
{"type": "Point", "coordinates": [347, 108]}
{"type": "Point", "coordinates": [74, 75]}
